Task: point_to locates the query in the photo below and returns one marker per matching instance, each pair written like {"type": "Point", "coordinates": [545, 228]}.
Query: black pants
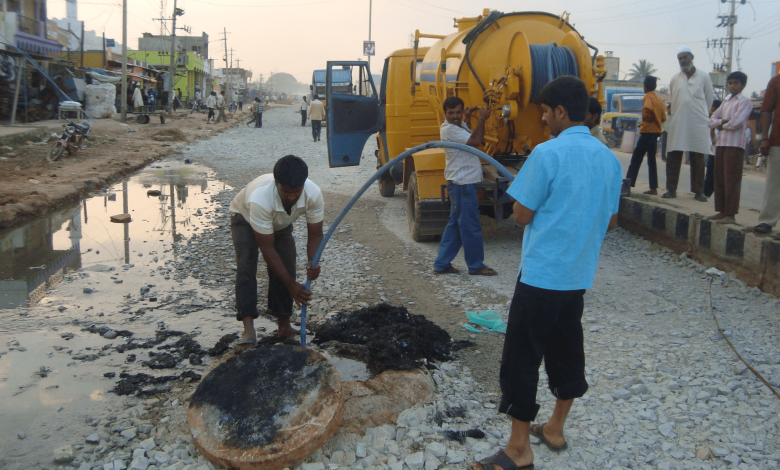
{"type": "Point", "coordinates": [316, 127]}
{"type": "Point", "coordinates": [280, 302]}
{"type": "Point", "coordinates": [543, 324]}
{"type": "Point", "coordinates": [647, 144]}
{"type": "Point", "coordinates": [303, 118]}
{"type": "Point", "coordinates": [709, 176]}
{"type": "Point", "coordinates": [258, 119]}
{"type": "Point", "coordinates": [211, 114]}
{"type": "Point", "coordinates": [240, 105]}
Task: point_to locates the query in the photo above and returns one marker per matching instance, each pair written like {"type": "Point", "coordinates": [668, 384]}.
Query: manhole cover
{"type": "Point", "coordinates": [266, 409]}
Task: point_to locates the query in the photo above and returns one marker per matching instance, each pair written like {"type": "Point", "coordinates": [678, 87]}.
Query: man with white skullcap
{"type": "Point", "coordinates": [692, 96]}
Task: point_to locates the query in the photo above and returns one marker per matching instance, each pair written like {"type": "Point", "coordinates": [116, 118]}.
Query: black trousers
{"type": "Point", "coordinates": [258, 119]}
{"type": "Point", "coordinates": [240, 105]}
{"type": "Point", "coordinates": [648, 143]}
{"type": "Point", "coordinates": [543, 325]}
{"type": "Point", "coordinates": [709, 176]}
{"type": "Point", "coordinates": [280, 302]}
{"type": "Point", "coordinates": [316, 127]}
{"type": "Point", "coordinates": [303, 118]}
{"type": "Point", "coordinates": [211, 114]}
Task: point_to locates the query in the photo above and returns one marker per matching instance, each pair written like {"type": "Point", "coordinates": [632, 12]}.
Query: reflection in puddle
{"type": "Point", "coordinates": [164, 202]}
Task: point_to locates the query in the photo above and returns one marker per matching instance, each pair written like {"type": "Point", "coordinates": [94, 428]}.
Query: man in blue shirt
{"type": "Point", "coordinates": [567, 197]}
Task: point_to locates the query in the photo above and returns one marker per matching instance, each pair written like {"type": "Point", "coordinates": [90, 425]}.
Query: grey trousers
{"type": "Point", "coordinates": [280, 302]}
{"type": "Point", "coordinates": [770, 209]}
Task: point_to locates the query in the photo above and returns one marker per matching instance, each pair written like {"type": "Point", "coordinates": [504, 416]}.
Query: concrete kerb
{"type": "Point", "coordinates": [752, 258]}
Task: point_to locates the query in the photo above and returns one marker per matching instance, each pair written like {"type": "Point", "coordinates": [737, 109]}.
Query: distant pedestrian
{"type": "Point", "coordinates": [730, 119]}
{"type": "Point", "coordinates": [709, 174]}
{"type": "Point", "coordinates": [240, 101]}
{"type": "Point", "coordinates": [221, 107]}
{"type": "Point", "coordinates": [304, 108]}
{"type": "Point", "coordinates": [748, 140]}
{"type": "Point", "coordinates": [653, 117]}
{"type": "Point", "coordinates": [692, 96]}
{"type": "Point", "coordinates": [770, 151]}
{"type": "Point", "coordinates": [317, 115]}
{"type": "Point", "coordinates": [138, 99]}
{"type": "Point", "coordinates": [211, 103]}
{"type": "Point", "coordinates": [258, 113]}
{"type": "Point", "coordinates": [593, 118]}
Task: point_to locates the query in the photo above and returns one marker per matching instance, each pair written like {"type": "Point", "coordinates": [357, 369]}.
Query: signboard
{"type": "Point", "coordinates": [369, 48]}
{"type": "Point", "coordinates": [110, 43]}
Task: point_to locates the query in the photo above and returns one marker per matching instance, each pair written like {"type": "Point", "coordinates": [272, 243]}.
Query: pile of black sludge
{"type": "Point", "coordinates": [390, 338]}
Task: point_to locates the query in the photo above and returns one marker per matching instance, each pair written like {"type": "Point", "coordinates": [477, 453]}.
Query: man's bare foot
{"type": "Point", "coordinates": [652, 192]}
{"type": "Point", "coordinates": [285, 329]}
{"type": "Point", "coordinates": [727, 219]}
{"type": "Point", "coordinates": [717, 216]}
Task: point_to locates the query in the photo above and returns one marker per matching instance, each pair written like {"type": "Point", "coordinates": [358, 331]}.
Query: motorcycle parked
{"type": "Point", "coordinates": [72, 139]}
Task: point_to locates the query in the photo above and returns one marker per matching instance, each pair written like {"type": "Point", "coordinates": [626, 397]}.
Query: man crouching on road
{"type": "Point", "coordinates": [262, 216]}
{"type": "Point", "coordinates": [567, 196]}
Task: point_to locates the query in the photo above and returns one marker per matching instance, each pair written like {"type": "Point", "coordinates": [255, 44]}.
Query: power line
{"type": "Point", "coordinates": [423, 11]}
{"type": "Point", "coordinates": [265, 6]}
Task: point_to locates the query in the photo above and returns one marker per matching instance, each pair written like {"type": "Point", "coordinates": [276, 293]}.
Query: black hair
{"type": "Point", "coordinates": [316, 97]}
{"type": "Point", "coordinates": [567, 91]}
{"type": "Point", "coordinates": [716, 104]}
{"type": "Point", "coordinates": [738, 76]}
{"type": "Point", "coordinates": [651, 82]}
{"type": "Point", "coordinates": [291, 171]}
{"type": "Point", "coordinates": [594, 107]}
{"type": "Point", "coordinates": [452, 102]}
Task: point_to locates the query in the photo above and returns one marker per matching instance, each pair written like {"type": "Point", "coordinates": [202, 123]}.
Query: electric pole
{"type": "Point", "coordinates": [227, 68]}
{"type": "Point", "coordinates": [730, 53]}
{"type": "Point", "coordinates": [370, 7]}
{"type": "Point", "coordinates": [123, 100]}
{"type": "Point", "coordinates": [171, 67]}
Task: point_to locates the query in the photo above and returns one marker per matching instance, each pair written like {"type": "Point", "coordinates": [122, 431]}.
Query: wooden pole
{"type": "Point", "coordinates": [123, 100]}
{"type": "Point", "coordinates": [82, 44]}
{"type": "Point", "coordinates": [172, 66]}
{"type": "Point", "coordinates": [16, 91]}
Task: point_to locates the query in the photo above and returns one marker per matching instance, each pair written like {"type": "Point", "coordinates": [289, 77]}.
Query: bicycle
{"type": "Point", "coordinates": [197, 106]}
{"type": "Point", "coordinates": [233, 107]}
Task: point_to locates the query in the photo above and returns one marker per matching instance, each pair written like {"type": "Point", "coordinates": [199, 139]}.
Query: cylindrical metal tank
{"type": "Point", "coordinates": [504, 60]}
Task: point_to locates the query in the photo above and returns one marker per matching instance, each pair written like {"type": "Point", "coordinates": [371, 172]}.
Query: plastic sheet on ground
{"type": "Point", "coordinates": [490, 319]}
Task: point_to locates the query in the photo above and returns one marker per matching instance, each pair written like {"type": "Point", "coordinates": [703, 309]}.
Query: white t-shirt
{"type": "Point", "coordinates": [461, 167]}
{"type": "Point", "coordinates": [260, 204]}
{"type": "Point", "coordinates": [304, 105]}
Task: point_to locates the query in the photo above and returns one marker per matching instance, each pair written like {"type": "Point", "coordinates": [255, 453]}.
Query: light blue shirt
{"type": "Point", "coordinates": [572, 183]}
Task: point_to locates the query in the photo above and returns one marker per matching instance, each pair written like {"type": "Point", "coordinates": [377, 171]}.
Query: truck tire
{"type": "Point", "coordinates": [386, 185]}
{"type": "Point", "coordinates": [414, 212]}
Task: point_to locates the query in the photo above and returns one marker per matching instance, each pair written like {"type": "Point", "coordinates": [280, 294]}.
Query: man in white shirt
{"type": "Point", "coordinates": [463, 171]}
{"type": "Point", "coordinates": [262, 217]}
{"type": "Point", "coordinates": [304, 108]}
{"type": "Point", "coordinates": [692, 96]}
{"type": "Point", "coordinates": [211, 103]}
{"type": "Point", "coordinates": [317, 115]}
{"type": "Point", "coordinates": [221, 107]}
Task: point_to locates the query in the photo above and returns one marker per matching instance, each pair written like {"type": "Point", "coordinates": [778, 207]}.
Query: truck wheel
{"type": "Point", "coordinates": [386, 185]}
{"type": "Point", "coordinates": [414, 211]}
{"type": "Point", "coordinates": [611, 142]}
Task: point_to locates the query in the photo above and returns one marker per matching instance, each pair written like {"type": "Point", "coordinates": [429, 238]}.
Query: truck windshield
{"type": "Point", "coordinates": [632, 104]}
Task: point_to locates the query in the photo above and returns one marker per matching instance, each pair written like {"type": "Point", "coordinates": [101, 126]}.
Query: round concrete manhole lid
{"type": "Point", "coordinates": [266, 409]}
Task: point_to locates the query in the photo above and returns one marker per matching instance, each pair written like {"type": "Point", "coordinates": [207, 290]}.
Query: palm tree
{"type": "Point", "coordinates": [639, 71]}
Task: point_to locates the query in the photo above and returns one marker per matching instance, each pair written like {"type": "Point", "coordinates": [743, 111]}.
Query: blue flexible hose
{"type": "Point", "coordinates": [429, 145]}
{"type": "Point", "coordinates": [548, 62]}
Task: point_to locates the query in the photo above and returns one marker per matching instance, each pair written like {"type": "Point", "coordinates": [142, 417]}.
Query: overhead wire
{"type": "Point", "coordinates": [420, 10]}
{"type": "Point", "coordinates": [264, 6]}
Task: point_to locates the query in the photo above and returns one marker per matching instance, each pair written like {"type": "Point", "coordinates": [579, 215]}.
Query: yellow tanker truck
{"type": "Point", "coordinates": [501, 60]}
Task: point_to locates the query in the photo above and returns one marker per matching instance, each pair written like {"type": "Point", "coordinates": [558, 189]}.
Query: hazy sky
{"type": "Point", "coordinates": [298, 36]}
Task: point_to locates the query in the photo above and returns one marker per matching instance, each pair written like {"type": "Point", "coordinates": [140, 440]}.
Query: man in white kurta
{"type": "Point", "coordinates": [692, 96]}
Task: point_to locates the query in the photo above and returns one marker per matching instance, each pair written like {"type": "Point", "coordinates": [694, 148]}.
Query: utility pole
{"type": "Point", "coordinates": [227, 83]}
{"type": "Point", "coordinates": [171, 67]}
{"type": "Point", "coordinates": [370, 7]}
{"type": "Point", "coordinates": [732, 21]}
{"type": "Point", "coordinates": [123, 100]}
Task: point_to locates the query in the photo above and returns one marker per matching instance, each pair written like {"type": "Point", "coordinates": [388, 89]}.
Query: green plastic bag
{"type": "Point", "coordinates": [489, 319]}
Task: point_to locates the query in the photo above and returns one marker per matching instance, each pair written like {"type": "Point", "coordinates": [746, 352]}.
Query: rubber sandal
{"type": "Point", "coordinates": [762, 228]}
{"type": "Point", "coordinates": [238, 350]}
{"type": "Point", "coordinates": [450, 270]}
{"type": "Point", "coordinates": [502, 460]}
{"type": "Point", "coordinates": [537, 430]}
{"type": "Point", "coordinates": [484, 271]}
{"type": "Point", "coordinates": [669, 195]}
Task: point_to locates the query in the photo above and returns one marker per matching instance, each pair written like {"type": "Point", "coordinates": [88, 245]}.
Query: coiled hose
{"type": "Point", "coordinates": [429, 145]}
{"type": "Point", "coordinates": [548, 62]}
